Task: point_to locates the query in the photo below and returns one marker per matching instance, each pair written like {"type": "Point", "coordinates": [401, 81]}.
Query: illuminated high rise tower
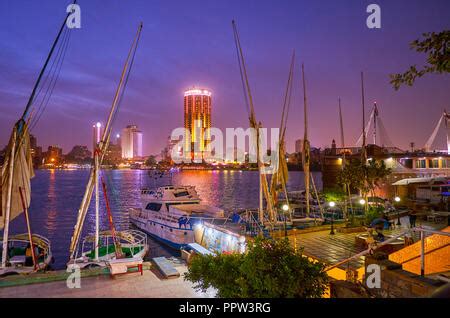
{"type": "Point", "coordinates": [197, 120]}
{"type": "Point", "coordinates": [131, 142]}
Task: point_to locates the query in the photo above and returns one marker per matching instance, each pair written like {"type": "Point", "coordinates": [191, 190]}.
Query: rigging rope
{"type": "Point", "coordinates": [385, 141]}
{"type": "Point", "coordinates": [54, 79]}
{"type": "Point", "coordinates": [116, 110]}
{"type": "Point", "coordinates": [236, 41]}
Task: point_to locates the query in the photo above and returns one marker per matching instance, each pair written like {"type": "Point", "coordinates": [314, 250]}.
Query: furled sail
{"type": "Point", "coordinates": [19, 153]}
{"type": "Point", "coordinates": [280, 175]}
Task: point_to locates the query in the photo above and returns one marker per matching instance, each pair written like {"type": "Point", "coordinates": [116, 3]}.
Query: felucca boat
{"type": "Point", "coordinates": [102, 246]}
{"type": "Point", "coordinates": [28, 252]}
{"type": "Point", "coordinates": [269, 215]}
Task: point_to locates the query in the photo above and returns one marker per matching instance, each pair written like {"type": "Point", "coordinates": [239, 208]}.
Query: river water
{"type": "Point", "coordinates": [57, 194]}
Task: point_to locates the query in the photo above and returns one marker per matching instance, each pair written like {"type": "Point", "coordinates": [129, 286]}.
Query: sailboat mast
{"type": "Point", "coordinates": [305, 145]}
{"type": "Point", "coordinates": [100, 152]}
{"type": "Point", "coordinates": [341, 124]}
{"type": "Point", "coordinates": [8, 200]}
{"type": "Point", "coordinates": [17, 140]}
{"type": "Point", "coordinates": [363, 152]}
{"type": "Point", "coordinates": [375, 115]}
{"type": "Point", "coordinates": [97, 208]}
{"type": "Point", "coordinates": [257, 127]}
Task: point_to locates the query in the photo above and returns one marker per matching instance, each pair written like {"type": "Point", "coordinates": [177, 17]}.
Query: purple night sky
{"type": "Point", "coordinates": [186, 43]}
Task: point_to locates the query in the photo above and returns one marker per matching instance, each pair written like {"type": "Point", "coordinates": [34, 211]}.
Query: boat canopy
{"type": "Point", "coordinates": [429, 180]}
{"type": "Point", "coordinates": [38, 240]}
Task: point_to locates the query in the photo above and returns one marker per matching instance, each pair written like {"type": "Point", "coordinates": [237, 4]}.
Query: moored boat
{"type": "Point", "coordinates": [99, 248]}
{"type": "Point", "coordinates": [170, 214]}
{"type": "Point", "coordinates": [130, 243]}
{"type": "Point", "coordinates": [28, 252]}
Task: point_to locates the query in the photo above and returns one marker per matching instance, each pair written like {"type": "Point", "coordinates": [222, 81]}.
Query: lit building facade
{"type": "Point", "coordinates": [131, 142]}
{"type": "Point", "coordinates": [197, 121]}
{"type": "Point", "coordinates": [96, 136]}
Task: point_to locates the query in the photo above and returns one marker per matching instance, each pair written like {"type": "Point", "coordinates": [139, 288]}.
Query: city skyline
{"type": "Point", "coordinates": [169, 61]}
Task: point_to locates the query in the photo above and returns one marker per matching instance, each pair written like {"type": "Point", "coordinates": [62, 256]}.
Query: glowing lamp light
{"type": "Point", "coordinates": [285, 207]}
{"type": "Point", "coordinates": [397, 199]}
{"type": "Point", "coordinates": [332, 204]}
{"type": "Point", "coordinates": [117, 136]}
{"type": "Point", "coordinates": [362, 201]}
{"type": "Point", "coordinates": [98, 125]}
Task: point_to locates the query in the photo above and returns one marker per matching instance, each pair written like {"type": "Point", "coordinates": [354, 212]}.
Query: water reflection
{"type": "Point", "coordinates": [57, 195]}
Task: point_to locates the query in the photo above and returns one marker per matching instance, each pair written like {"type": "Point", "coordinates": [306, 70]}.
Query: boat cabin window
{"type": "Point", "coordinates": [178, 203]}
{"type": "Point", "coordinates": [154, 206]}
{"type": "Point", "coordinates": [181, 194]}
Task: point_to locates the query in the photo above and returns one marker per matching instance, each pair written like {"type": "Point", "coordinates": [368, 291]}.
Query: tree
{"type": "Point", "coordinates": [437, 46]}
{"type": "Point", "coordinates": [364, 178]}
{"type": "Point", "coordinates": [353, 175]}
{"type": "Point", "coordinates": [375, 171]}
{"type": "Point", "coordinates": [269, 269]}
{"type": "Point", "coordinates": [151, 161]}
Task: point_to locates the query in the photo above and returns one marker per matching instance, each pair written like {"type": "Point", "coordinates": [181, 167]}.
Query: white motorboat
{"type": "Point", "coordinates": [170, 214]}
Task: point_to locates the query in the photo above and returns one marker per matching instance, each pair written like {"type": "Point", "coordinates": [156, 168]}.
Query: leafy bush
{"type": "Point", "coordinates": [270, 269]}
{"type": "Point", "coordinates": [373, 213]}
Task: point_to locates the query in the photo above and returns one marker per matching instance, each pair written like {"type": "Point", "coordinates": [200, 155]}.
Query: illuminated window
{"type": "Point", "coordinates": [420, 163]}
{"type": "Point", "coordinates": [433, 163]}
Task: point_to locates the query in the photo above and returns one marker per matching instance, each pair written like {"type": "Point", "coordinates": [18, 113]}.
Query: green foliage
{"type": "Point", "coordinates": [365, 178]}
{"type": "Point", "coordinates": [151, 161]}
{"type": "Point", "coordinates": [373, 213]}
{"type": "Point", "coordinates": [336, 194]}
{"type": "Point", "coordinates": [375, 171]}
{"type": "Point", "coordinates": [352, 175]}
{"type": "Point", "coordinates": [270, 268]}
{"type": "Point", "coordinates": [437, 46]}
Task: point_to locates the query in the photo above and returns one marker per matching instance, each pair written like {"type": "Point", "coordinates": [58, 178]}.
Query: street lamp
{"type": "Point", "coordinates": [332, 205]}
{"type": "Point", "coordinates": [397, 199]}
{"type": "Point", "coordinates": [362, 201]}
{"type": "Point", "coordinates": [285, 208]}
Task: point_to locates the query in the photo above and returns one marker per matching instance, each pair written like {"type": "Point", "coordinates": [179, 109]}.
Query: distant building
{"type": "Point", "coordinates": [53, 156]}
{"type": "Point", "coordinates": [113, 155]}
{"type": "Point", "coordinates": [97, 135]}
{"type": "Point", "coordinates": [166, 153]}
{"type": "Point", "coordinates": [299, 145]}
{"type": "Point", "coordinates": [197, 120]}
{"type": "Point", "coordinates": [131, 142]}
{"type": "Point", "coordinates": [36, 151]}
